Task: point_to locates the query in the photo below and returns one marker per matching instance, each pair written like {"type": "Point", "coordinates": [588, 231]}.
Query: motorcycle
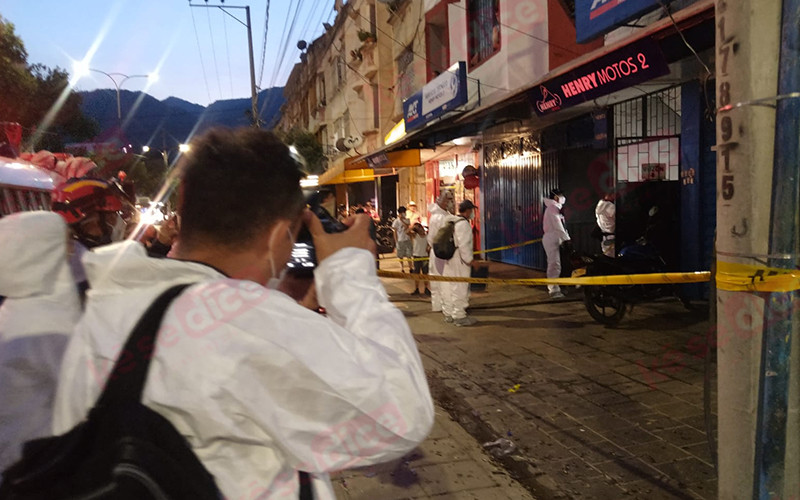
{"type": "Point", "coordinates": [608, 304]}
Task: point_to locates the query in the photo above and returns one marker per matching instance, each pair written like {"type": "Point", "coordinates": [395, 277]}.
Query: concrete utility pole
{"type": "Point", "coordinates": [247, 24]}
{"type": "Point", "coordinates": [757, 360]}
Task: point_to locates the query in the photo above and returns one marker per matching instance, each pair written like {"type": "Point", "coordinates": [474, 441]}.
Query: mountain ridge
{"type": "Point", "coordinates": [171, 121]}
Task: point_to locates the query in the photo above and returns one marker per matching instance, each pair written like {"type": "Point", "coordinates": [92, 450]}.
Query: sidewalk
{"type": "Point", "coordinates": [450, 464]}
{"type": "Point", "coordinates": [595, 412]}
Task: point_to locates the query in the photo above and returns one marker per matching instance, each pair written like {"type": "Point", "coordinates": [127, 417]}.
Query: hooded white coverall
{"type": "Point", "coordinates": [555, 233]}
{"type": "Point", "coordinates": [455, 296]}
{"type": "Point", "coordinates": [260, 386]}
{"type": "Point", "coordinates": [437, 219]}
{"type": "Point", "coordinates": [605, 212]}
{"type": "Point", "coordinates": [38, 315]}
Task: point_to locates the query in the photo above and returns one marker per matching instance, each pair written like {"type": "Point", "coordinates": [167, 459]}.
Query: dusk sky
{"type": "Point", "coordinates": [142, 36]}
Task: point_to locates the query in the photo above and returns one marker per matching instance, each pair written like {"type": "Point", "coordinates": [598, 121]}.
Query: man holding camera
{"type": "Point", "coordinates": [260, 386]}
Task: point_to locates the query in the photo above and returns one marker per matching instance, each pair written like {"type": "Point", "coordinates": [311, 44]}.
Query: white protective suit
{"type": "Point", "coordinates": [260, 386]}
{"type": "Point", "coordinates": [606, 220]}
{"type": "Point", "coordinates": [555, 233]}
{"type": "Point", "coordinates": [438, 216]}
{"type": "Point", "coordinates": [455, 296]}
{"type": "Point", "coordinates": [36, 320]}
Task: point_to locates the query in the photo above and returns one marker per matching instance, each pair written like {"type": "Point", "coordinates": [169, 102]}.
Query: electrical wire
{"type": "Point", "coordinates": [228, 52]}
{"type": "Point", "coordinates": [200, 52]}
{"type": "Point", "coordinates": [214, 53]}
{"type": "Point", "coordinates": [390, 37]}
{"type": "Point", "coordinates": [685, 41]}
{"type": "Point", "coordinates": [264, 46]}
{"type": "Point", "coordinates": [268, 101]}
{"type": "Point", "coordinates": [546, 42]}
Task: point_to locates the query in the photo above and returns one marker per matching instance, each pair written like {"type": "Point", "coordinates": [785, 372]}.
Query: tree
{"type": "Point", "coordinates": [309, 148]}
{"type": "Point", "coordinates": [30, 90]}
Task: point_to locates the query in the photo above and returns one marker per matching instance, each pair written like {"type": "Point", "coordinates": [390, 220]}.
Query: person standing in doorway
{"type": "Point", "coordinates": [404, 250]}
{"type": "Point", "coordinates": [455, 295]}
{"type": "Point", "coordinates": [555, 233]}
{"type": "Point", "coordinates": [606, 213]}
{"type": "Point", "coordinates": [440, 213]}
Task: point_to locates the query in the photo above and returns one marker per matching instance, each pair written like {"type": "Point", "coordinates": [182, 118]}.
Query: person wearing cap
{"type": "Point", "coordinates": [555, 233]}
{"type": "Point", "coordinates": [455, 296]}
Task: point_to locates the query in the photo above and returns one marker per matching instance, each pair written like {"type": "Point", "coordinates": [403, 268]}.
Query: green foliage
{"type": "Point", "coordinates": [309, 148]}
{"type": "Point", "coordinates": [364, 35]}
{"type": "Point", "coordinates": [30, 90]}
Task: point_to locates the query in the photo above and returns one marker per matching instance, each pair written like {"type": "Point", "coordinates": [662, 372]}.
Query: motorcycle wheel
{"type": "Point", "coordinates": [603, 305]}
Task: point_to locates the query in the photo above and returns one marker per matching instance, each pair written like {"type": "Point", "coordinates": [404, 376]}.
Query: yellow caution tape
{"type": "Point", "coordinates": [476, 252]}
{"type": "Point", "coordinates": [748, 278]}
{"type": "Point", "coordinates": [620, 279]}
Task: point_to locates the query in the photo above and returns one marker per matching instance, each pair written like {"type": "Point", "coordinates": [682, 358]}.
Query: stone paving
{"type": "Point", "coordinates": [595, 412]}
{"type": "Point", "coordinates": [450, 464]}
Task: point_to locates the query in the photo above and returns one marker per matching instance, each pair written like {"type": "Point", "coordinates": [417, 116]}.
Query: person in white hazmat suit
{"type": "Point", "coordinates": [439, 213]}
{"type": "Point", "coordinates": [36, 320]}
{"type": "Point", "coordinates": [555, 233]}
{"type": "Point", "coordinates": [605, 212]}
{"type": "Point", "coordinates": [455, 296]}
{"type": "Point", "coordinates": [260, 386]}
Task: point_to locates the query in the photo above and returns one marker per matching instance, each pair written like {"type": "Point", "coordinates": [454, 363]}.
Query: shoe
{"type": "Point", "coordinates": [465, 321]}
{"type": "Point", "coordinates": [427, 292]}
{"type": "Point", "coordinates": [556, 295]}
{"type": "Point", "coordinates": [415, 293]}
{"type": "Point", "coordinates": [448, 319]}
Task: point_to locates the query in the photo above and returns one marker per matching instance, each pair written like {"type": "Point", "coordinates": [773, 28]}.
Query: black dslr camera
{"type": "Point", "coordinates": [304, 257]}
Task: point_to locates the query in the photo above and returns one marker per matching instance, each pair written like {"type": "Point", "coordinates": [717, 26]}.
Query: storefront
{"type": "Point", "coordinates": [632, 120]}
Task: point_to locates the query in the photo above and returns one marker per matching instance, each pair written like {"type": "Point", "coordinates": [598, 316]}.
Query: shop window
{"type": "Point", "coordinates": [483, 35]}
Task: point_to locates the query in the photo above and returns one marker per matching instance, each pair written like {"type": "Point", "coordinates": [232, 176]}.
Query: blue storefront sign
{"type": "Point", "coordinates": [597, 17]}
{"type": "Point", "coordinates": [635, 63]}
{"type": "Point", "coordinates": [442, 94]}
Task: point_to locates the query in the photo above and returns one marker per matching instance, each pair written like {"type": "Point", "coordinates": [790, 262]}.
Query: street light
{"type": "Point", "coordinates": [145, 149]}
{"type": "Point", "coordinates": [184, 148]}
{"type": "Point", "coordinates": [81, 68]}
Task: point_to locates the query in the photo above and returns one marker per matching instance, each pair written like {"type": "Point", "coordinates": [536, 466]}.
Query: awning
{"type": "Point", "coordinates": [385, 159]}
{"type": "Point", "coordinates": [348, 176]}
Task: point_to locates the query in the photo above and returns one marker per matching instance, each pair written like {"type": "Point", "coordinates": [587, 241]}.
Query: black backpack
{"type": "Point", "coordinates": [444, 243]}
{"type": "Point", "coordinates": [123, 450]}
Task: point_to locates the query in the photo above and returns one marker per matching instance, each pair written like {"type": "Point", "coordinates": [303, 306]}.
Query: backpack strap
{"type": "Point", "coordinates": [127, 379]}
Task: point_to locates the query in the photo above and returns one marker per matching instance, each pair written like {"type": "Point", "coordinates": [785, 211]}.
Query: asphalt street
{"type": "Point", "coordinates": [592, 411]}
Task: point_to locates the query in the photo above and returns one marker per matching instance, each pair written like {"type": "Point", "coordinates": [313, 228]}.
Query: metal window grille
{"type": "Point", "coordinates": [647, 137]}
{"type": "Point", "coordinates": [483, 38]}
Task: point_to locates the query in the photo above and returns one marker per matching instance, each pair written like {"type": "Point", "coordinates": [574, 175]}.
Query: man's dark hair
{"type": "Point", "coordinates": [236, 184]}
{"type": "Point", "coordinates": [401, 210]}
